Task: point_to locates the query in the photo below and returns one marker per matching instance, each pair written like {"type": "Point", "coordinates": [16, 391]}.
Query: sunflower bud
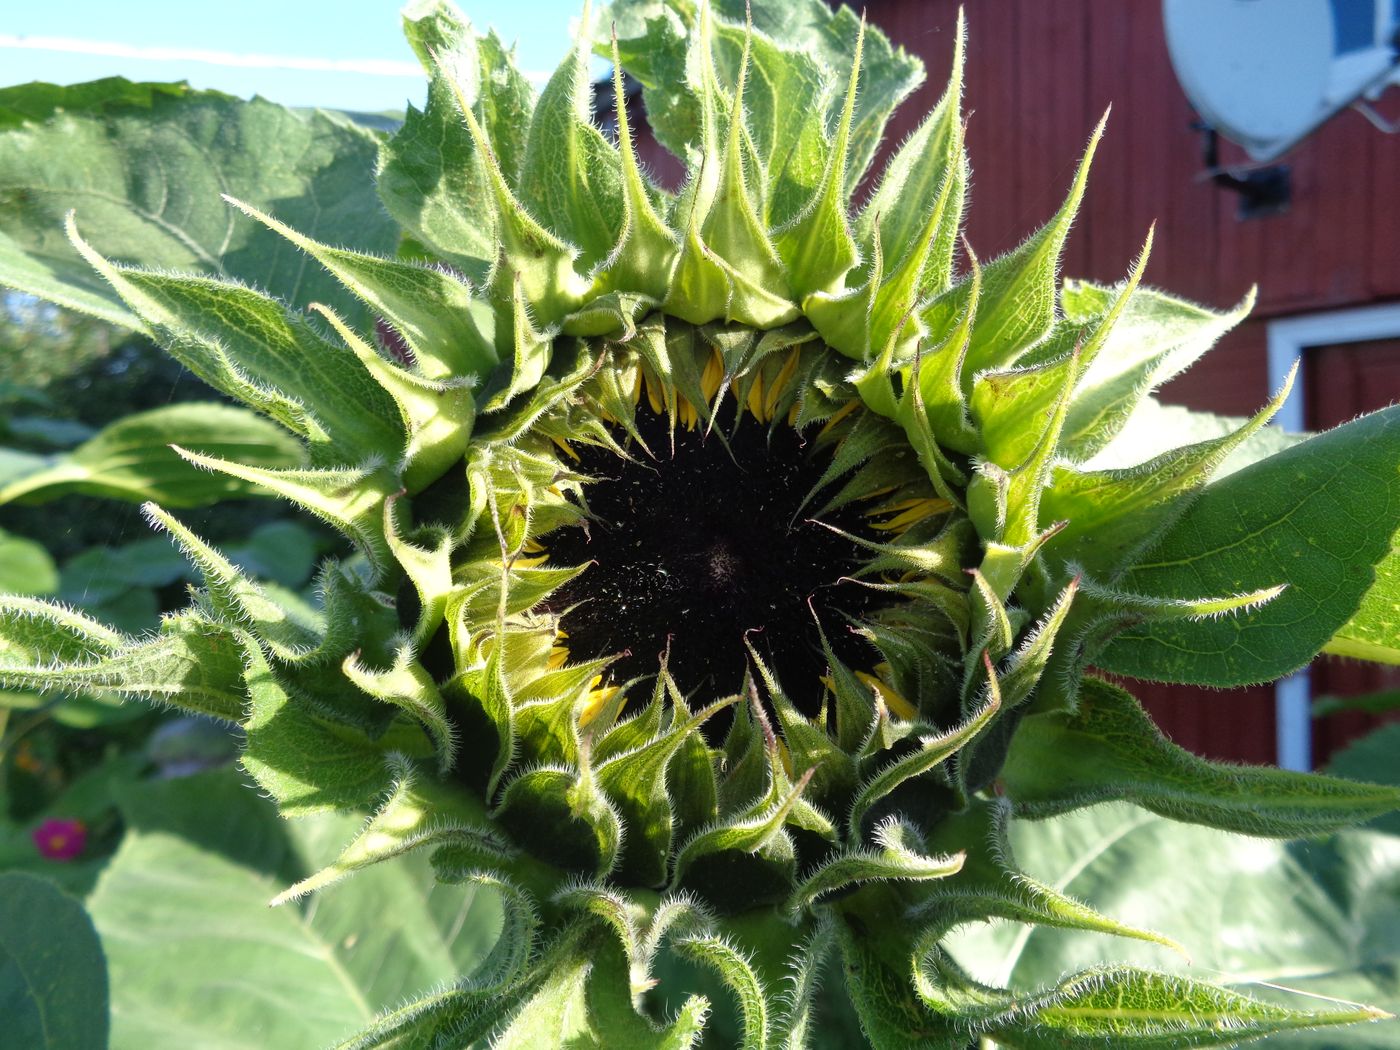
{"type": "Point", "coordinates": [728, 566]}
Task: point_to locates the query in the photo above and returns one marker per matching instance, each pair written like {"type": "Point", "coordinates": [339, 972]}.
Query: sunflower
{"type": "Point", "coordinates": [712, 548]}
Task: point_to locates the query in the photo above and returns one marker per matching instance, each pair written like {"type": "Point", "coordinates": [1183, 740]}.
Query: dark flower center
{"type": "Point", "coordinates": [703, 546]}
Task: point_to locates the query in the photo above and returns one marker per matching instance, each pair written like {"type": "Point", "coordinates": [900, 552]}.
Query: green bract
{"type": "Point", "coordinates": [970, 441]}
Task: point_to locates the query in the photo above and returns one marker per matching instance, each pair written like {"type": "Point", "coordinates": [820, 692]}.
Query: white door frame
{"type": "Point", "coordinates": [1288, 338]}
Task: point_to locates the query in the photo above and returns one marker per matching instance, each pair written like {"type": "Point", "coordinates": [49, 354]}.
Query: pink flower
{"type": "Point", "coordinates": [60, 839]}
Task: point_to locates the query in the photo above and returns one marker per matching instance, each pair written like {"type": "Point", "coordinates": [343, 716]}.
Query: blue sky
{"type": "Point", "coordinates": [363, 31]}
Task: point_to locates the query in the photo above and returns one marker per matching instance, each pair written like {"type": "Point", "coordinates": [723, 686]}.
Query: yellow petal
{"type": "Point", "coordinates": [780, 382]}
{"type": "Point", "coordinates": [756, 398]}
{"type": "Point", "coordinates": [597, 699]}
{"type": "Point", "coordinates": [894, 702]}
{"type": "Point", "coordinates": [844, 411]}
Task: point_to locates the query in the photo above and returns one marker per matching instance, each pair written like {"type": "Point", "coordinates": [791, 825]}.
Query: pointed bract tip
{"type": "Point", "coordinates": [1286, 387]}
{"type": "Point", "coordinates": [87, 251]}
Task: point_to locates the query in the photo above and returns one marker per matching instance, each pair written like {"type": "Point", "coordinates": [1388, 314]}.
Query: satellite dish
{"type": "Point", "coordinates": [1265, 73]}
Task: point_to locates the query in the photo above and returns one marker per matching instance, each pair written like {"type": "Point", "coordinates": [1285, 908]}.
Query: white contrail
{"type": "Point", "coordinates": [377, 67]}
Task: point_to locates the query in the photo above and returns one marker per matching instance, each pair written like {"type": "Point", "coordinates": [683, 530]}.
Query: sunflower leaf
{"type": "Point", "coordinates": [1318, 516]}
{"type": "Point", "coordinates": [1116, 752]}
{"type": "Point", "coordinates": [131, 459]}
{"type": "Point", "coordinates": [191, 663]}
{"type": "Point", "coordinates": [1372, 633]}
{"type": "Point", "coordinates": [431, 176]}
{"type": "Point", "coordinates": [571, 179]}
{"type": "Point", "coordinates": [1157, 337]}
{"type": "Point", "coordinates": [90, 147]}
{"type": "Point", "coordinates": [1153, 1011]}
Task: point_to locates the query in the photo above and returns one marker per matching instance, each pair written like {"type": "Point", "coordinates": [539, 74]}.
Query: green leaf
{"type": "Point", "coordinates": [888, 73]}
{"type": "Point", "coordinates": [560, 815]}
{"type": "Point", "coordinates": [1110, 750]}
{"type": "Point", "coordinates": [817, 247]}
{"type": "Point", "coordinates": [799, 46]}
{"type": "Point", "coordinates": [891, 1015]}
{"type": "Point", "coordinates": [1156, 337]}
{"type": "Point", "coordinates": [526, 251]}
{"type": "Point", "coordinates": [94, 147]}
{"type": "Point", "coordinates": [410, 819]}
{"type": "Point", "coordinates": [1122, 1007]}
{"type": "Point", "coordinates": [236, 598]}
{"type": "Point", "coordinates": [249, 831]}
{"type": "Point", "coordinates": [283, 552]}
{"type": "Point", "coordinates": [992, 885]}
{"type": "Point", "coordinates": [1372, 759]}
{"type": "Point", "coordinates": [131, 459]}
{"type": "Point", "coordinates": [191, 664]}
{"type": "Point", "coordinates": [804, 1013]}
{"type": "Point", "coordinates": [577, 996]}
{"type": "Point", "coordinates": [70, 285]}
{"type": "Point", "coordinates": [37, 101]}
{"type": "Point", "coordinates": [349, 499]}
{"type": "Point", "coordinates": [34, 631]}
{"type": "Point", "coordinates": [489, 988]}
{"type": "Point", "coordinates": [580, 998]}
{"type": "Point", "coordinates": [97, 577]}
{"type": "Point", "coordinates": [199, 959]}
{"type": "Point", "coordinates": [53, 977]}
{"type": "Point", "coordinates": [557, 1013]}
{"type": "Point", "coordinates": [783, 115]}
{"type": "Point", "coordinates": [636, 783]}
{"type": "Point", "coordinates": [934, 402]}
{"type": "Point", "coordinates": [25, 567]}
{"type": "Point", "coordinates": [1374, 632]}
{"type": "Point", "coordinates": [1111, 516]}
{"type": "Point", "coordinates": [432, 309]}
{"type": "Point", "coordinates": [429, 179]}
{"type": "Point", "coordinates": [933, 748]}
{"type": "Point", "coordinates": [736, 970]}
{"type": "Point", "coordinates": [1380, 702]}
{"type": "Point", "coordinates": [748, 849]}
{"type": "Point", "coordinates": [900, 857]}
{"type": "Point", "coordinates": [1017, 304]}
{"type": "Point", "coordinates": [306, 762]}
{"type": "Point", "coordinates": [1317, 517]}
{"type": "Point", "coordinates": [930, 159]}
{"type": "Point", "coordinates": [571, 179]}
{"type": "Point", "coordinates": [1043, 394]}
{"type": "Point", "coordinates": [1153, 428]}
{"type": "Point", "coordinates": [736, 233]}
{"type": "Point", "coordinates": [652, 45]}
{"type": "Point", "coordinates": [431, 176]}
{"type": "Point", "coordinates": [252, 348]}
{"type": "Point", "coordinates": [410, 688]}
{"type": "Point", "coordinates": [437, 415]}
{"type": "Point", "coordinates": [1285, 923]}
